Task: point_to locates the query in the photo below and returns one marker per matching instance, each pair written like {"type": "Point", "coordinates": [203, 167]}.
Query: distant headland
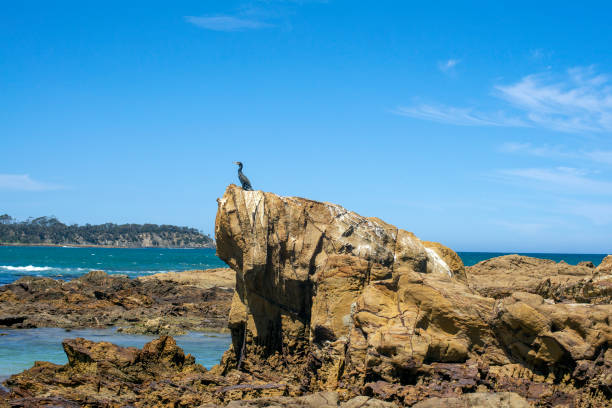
{"type": "Point", "coordinates": [49, 231]}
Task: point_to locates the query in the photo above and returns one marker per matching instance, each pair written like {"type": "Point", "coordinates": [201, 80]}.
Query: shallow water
{"type": "Point", "coordinates": [19, 348]}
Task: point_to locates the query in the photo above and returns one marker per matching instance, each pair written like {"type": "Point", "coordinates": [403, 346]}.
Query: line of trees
{"type": "Point", "coordinates": [51, 231]}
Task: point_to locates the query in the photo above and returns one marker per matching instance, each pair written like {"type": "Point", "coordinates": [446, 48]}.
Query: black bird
{"type": "Point", "coordinates": [246, 184]}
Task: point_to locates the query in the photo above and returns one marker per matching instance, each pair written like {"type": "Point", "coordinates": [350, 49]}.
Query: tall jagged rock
{"type": "Point", "coordinates": [315, 278]}
{"type": "Point", "coordinates": [330, 300]}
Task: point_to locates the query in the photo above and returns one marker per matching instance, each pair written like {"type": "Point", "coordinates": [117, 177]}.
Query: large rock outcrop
{"type": "Point", "coordinates": [330, 300]}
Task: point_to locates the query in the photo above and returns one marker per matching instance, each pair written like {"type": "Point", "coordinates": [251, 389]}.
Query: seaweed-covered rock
{"type": "Point", "coordinates": [162, 304]}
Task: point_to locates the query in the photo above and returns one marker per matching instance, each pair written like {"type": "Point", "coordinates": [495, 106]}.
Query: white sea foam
{"type": "Point", "coordinates": [29, 268]}
{"type": "Point", "coordinates": [32, 268]}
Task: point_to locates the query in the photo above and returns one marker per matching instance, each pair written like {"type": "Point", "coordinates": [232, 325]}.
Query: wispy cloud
{"type": "Point", "coordinates": [448, 65]}
{"type": "Point", "coordinates": [598, 213]}
{"type": "Point", "coordinates": [538, 151]}
{"type": "Point", "coordinates": [252, 15]}
{"type": "Point", "coordinates": [23, 182]}
{"type": "Point", "coordinates": [578, 101]}
{"type": "Point", "coordinates": [459, 116]}
{"type": "Point", "coordinates": [565, 180]}
{"type": "Point", "coordinates": [227, 23]}
{"type": "Point", "coordinates": [581, 101]}
{"type": "Point", "coordinates": [540, 54]}
{"type": "Point", "coordinates": [526, 228]}
{"type": "Point", "coordinates": [602, 156]}
{"type": "Point", "coordinates": [559, 152]}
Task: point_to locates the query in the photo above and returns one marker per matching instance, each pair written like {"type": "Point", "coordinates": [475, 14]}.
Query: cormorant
{"type": "Point", "coordinates": [246, 184]}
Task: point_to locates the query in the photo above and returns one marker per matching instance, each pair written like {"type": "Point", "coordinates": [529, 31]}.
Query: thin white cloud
{"type": "Point", "coordinates": [448, 65]}
{"type": "Point", "coordinates": [23, 182]}
{"type": "Point", "coordinates": [540, 54]}
{"type": "Point", "coordinates": [601, 156]}
{"type": "Point", "coordinates": [598, 213]}
{"type": "Point", "coordinates": [526, 228]}
{"type": "Point", "coordinates": [459, 116]}
{"type": "Point", "coordinates": [578, 101]}
{"type": "Point", "coordinates": [252, 15]}
{"type": "Point", "coordinates": [227, 23]}
{"type": "Point", "coordinates": [560, 152]}
{"type": "Point", "coordinates": [538, 151]}
{"type": "Point", "coordinates": [581, 101]}
{"type": "Point", "coordinates": [565, 180]}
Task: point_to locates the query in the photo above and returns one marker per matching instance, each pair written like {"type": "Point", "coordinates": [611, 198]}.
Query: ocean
{"type": "Point", "coordinates": [69, 263]}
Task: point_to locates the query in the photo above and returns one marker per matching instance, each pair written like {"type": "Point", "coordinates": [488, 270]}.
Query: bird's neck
{"type": "Point", "coordinates": [240, 167]}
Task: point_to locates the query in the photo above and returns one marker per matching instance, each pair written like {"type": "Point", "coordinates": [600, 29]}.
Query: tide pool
{"type": "Point", "coordinates": [20, 348]}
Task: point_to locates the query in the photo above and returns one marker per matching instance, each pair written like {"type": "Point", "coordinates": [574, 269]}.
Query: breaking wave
{"type": "Point", "coordinates": [29, 268]}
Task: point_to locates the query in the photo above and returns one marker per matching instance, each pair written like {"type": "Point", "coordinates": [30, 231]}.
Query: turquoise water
{"type": "Point", "coordinates": [21, 347]}
{"type": "Point", "coordinates": [472, 258]}
{"type": "Point", "coordinates": [69, 263]}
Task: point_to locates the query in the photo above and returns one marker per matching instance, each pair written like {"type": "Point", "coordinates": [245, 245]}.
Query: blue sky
{"type": "Point", "coordinates": [484, 126]}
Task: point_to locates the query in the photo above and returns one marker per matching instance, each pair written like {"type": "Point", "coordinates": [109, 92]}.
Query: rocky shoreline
{"type": "Point", "coordinates": [12, 244]}
{"type": "Point", "coordinates": [332, 309]}
{"type": "Point", "coordinates": [557, 282]}
{"type": "Point", "coordinates": [158, 304]}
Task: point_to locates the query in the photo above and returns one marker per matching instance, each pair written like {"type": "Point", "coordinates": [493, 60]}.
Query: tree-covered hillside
{"type": "Point", "coordinates": [51, 231]}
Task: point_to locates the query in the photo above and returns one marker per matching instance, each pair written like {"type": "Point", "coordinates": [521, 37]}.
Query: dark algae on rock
{"type": "Point", "coordinates": [152, 305]}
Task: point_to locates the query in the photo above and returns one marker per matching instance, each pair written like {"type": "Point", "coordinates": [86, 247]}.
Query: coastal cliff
{"type": "Point", "coordinates": [49, 231]}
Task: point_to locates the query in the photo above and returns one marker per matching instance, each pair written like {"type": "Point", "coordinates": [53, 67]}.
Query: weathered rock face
{"type": "Point", "coordinates": [155, 305]}
{"type": "Point", "coordinates": [605, 268]}
{"type": "Point", "coordinates": [222, 278]}
{"type": "Point", "coordinates": [477, 400]}
{"type": "Point", "coordinates": [317, 400]}
{"type": "Point", "coordinates": [330, 300]}
{"type": "Point", "coordinates": [501, 276]}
